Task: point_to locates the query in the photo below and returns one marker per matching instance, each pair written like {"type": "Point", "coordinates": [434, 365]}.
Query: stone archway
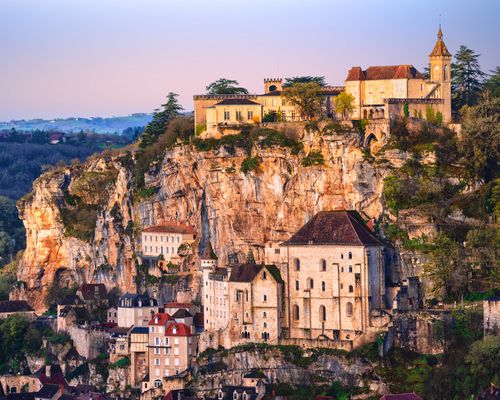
{"type": "Point", "coordinates": [370, 142]}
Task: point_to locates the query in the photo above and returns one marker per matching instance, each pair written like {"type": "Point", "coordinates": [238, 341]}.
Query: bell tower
{"type": "Point", "coordinates": [440, 71]}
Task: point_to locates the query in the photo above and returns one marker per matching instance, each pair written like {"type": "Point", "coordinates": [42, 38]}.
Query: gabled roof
{"type": "Point", "coordinates": [256, 374]}
{"type": "Point", "coordinates": [140, 329]}
{"type": "Point", "coordinates": [71, 300]}
{"type": "Point", "coordinates": [159, 319]}
{"type": "Point", "coordinates": [170, 227]}
{"type": "Point", "coordinates": [440, 48]}
{"type": "Point", "coordinates": [403, 71]}
{"type": "Point", "coordinates": [208, 252]}
{"type": "Point", "coordinates": [14, 306]}
{"type": "Point", "coordinates": [135, 299]}
{"type": "Point", "coordinates": [56, 376]}
{"type": "Point", "coordinates": [334, 228]}
{"type": "Point", "coordinates": [180, 329]}
{"type": "Point", "coordinates": [248, 272]}
{"type": "Point", "coordinates": [181, 313]}
{"type": "Point", "coordinates": [237, 102]}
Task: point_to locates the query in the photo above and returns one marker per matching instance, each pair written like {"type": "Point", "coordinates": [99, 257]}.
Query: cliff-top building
{"type": "Point", "coordinates": [383, 91]}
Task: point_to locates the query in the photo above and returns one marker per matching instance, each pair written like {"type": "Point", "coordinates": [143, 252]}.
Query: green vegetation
{"type": "Point", "coordinates": [313, 158]}
{"type": "Point", "coordinates": [11, 231]}
{"type": "Point", "coordinates": [306, 96]}
{"type": "Point", "coordinates": [466, 78]}
{"type": "Point", "coordinates": [320, 80]}
{"type": "Point", "coordinates": [492, 84]}
{"type": "Point", "coordinates": [8, 277]}
{"type": "Point", "coordinates": [344, 104]}
{"type": "Point", "coordinates": [225, 86]}
{"type": "Point", "coordinates": [56, 292]}
{"type": "Point", "coordinates": [122, 363]}
{"type": "Point", "coordinates": [250, 164]}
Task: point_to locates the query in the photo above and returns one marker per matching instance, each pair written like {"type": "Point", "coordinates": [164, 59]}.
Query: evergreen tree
{"type": "Point", "coordinates": [320, 80]}
{"type": "Point", "coordinates": [493, 82]}
{"type": "Point", "coordinates": [225, 86]}
{"type": "Point", "coordinates": [161, 117]}
{"type": "Point", "coordinates": [467, 77]}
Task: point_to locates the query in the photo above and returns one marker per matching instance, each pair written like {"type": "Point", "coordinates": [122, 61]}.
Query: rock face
{"type": "Point", "coordinates": [236, 211]}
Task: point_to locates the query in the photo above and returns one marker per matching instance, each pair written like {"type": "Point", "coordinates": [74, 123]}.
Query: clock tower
{"type": "Point", "coordinates": [440, 71]}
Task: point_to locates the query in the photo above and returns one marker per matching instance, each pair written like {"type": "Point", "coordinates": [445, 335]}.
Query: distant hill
{"type": "Point", "coordinates": [111, 125]}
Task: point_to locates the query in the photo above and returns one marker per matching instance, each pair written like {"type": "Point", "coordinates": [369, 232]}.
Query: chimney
{"type": "Point", "coordinates": [47, 371]}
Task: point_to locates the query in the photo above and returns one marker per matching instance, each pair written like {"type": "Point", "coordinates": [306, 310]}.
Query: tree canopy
{"type": "Point", "coordinates": [344, 104]}
{"type": "Point", "coordinates": [320, 80]}
{"type": "Point", "coordinates": [492, 84]}
{"type": "Point", "coordinates": [466, 77]}
{"type": "Point", "coordinates": [168, 111]}
{"type": "Point", "coordinates": [306, 96]}
{"type": "Point", "coordinates": [225, 86]}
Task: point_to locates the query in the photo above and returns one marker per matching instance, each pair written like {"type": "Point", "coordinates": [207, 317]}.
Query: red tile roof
{"type": "Point", "coordinates": [181, 329]}
{"type": "Point", "coordinates": [171, 227]}
{"type": "Point", "coordinates": [162, 319]}
{"type": "Point", "coordinates": [383, 72]}
{"type": "Point", "coordinates": [174, 304]}
{"type": "Point", "coordinates": [334, 228]}
{"type": "Point", "coordinates": [440, 48]}
{"type": "Point", "coordinates": [401, 396]}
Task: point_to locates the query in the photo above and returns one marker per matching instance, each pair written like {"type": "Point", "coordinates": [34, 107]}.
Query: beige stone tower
{"type": "Point", "coordinates": [272, 84]}
{"type": "Point", "coordinates": [440, 70]}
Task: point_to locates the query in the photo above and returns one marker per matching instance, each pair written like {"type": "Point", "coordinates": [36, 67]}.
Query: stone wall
{"type": "Point", "coordinates": [491, 312]}
{"type": "Point", "coordinates": [88, 343]}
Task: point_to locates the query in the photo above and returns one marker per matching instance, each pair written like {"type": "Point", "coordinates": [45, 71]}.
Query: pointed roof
{"type": "Point", "coordinates": [247, 272]}
{"type": "Point", "coordinates": [344, 227]}
{"type": "Point", "coordinates": [208, 252]}
{"type": "Point", "coordinates": [440, 48]}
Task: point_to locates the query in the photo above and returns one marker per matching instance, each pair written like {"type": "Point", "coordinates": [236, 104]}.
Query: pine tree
{"type": "Point", "coordinates": [493, 82]}
{"type": "Point", "coordinates": [466, 77]}
{"type": "Point", "coordinates": [161, 117]}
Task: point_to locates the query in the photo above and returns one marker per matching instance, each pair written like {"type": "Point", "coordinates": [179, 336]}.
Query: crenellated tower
{"type": "Point", "coordinates": [273, 84]}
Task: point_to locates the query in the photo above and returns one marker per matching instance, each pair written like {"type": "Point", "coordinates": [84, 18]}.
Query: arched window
{"type": "Point", "coordinates": [265, 324]}
{"type": "Point", "coordinates": [296, 312]}
{"type": "Point", "coordinates": [297, 264]}
{"type": "Point", "coordinates": [341, 269]}
{"type": "Point", "coordinates": [350, 268]}
{"type": "Point", "coordinates": [297, 285]}
{"type": "Point", "coordinates": [445, 70]}
{"type": "Point", "coordinates": [322, 313]}
{"type": "Point", "coordinates": [322, 264]}
{"type": "Point", "coordinates": [264, 275]}
{"type": "Point", "coordinates": [264, 314]}
{"type": "Point", "coordinates": [246, 295]}
{"type": "Point", "coordinates": [342, 256]}
{"type": "Point", "coordinates": [348, 309]}
{"type": "Point", "coordinates": [310, 283]}
{"type": "Point", "coordinates": [351, 289]}
{"type": "Point", "coordinates": [323, 286]}
{"type": "Point", "coordinates": [350, 255]}
{"type": "Point", "coordinates": [265, 297]}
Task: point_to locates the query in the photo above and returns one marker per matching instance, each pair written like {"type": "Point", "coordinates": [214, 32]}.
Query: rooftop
{"type": "Point", "coordinates": [181, 313]}
{"type": "Point", "coordinates": [159, 319]}
{"type": "Point", "coordinates": [170, 227]}
{"type": "Point", "coordinates": [71, 300]}
{"type": "Point", "coordinates": [237, 102]}
{"type": "Point", "coordinates": [90, 290]}
{"type": "Point", "coordinates": [248, 272]}
{"type": "Point", "coordinates": [8, 306]}
{"type": "Point", "coordinates": [334, 228]}
{"type": "Point", "coordinates": [404, 71]}
{"type": "Point", "coordinates": [179, 328]}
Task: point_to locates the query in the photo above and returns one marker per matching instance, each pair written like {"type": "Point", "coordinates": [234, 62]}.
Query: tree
{"type": "Point", "coordinates": [466, 78]}
{"type": "Point", "coordinates": [483, 360]}
{"type": "Point", "coordinates": [445, 266]}
{"type": "Point", "coordinates": [306, 96]}
{"type": "Point", "coordinates": [168, 111]}
{"type": "Point", "coordinates": [225, 86]}
{"type": "Point", "coordinates": [483, 250]}
{"type": "Point", "coordinates": [480, 138]}
{"type": "Point", "coordinates": [320, 80]}
{"type": "Point", "coordinates": [344, 104]}
{"type": "Point", "coordinates": [493, 83]}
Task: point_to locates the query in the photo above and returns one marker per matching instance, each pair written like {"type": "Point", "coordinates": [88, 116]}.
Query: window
{"type": "Point", "coordinates": [249, 114]}
{"type": "Point", "coordinates": [296, 312]}
{"type": "Point", "coordinates": [349, 309]}
{"type": "Point", "coordinates": [157, 341]}
{"type": "Point", "coordinates": [157, 350]}
{"type": "Point", "coordinates": [322, 264]}
{"type": "Point", "coordinates": [341, 269]}
{"type": "Point", "coordinates": [276, 251]}
{"type": "Point", "coordinates": [157, 361]}
{"type": "Point", "coordinates": [297, 264]}
{"type": "Point", "coordinates": [323, 286]}
{"type": "Point", "coordinates": [283, 115]}
{"type": "Point", "coordinates": [351, 289]}
{"type": "Point", "coordinates": [238, 115]}
{"type": "Point", "coordinates": [265, 298]}
{"type": "Point", "coordinates": [157, 383]}
{"type": "Point", "coordinates": [350, 268]}
{"type": "Point", "coordinates": [297, 285]}
{"type": "Point", "coordinates": [342, 255]}
{"type": "Point", "coordinates": [310, 283]}
{"type": "Point", "coordinates": [265, 324]}
{"type": "Point", "coordinates": [226, 116]}
{"type": "Point", "coordinates": [264, 314]}
{"type": "Point", "coordinates": [322, 313]}
{"type": "Point", "coordinates": [350, 256]}
{"type": "Point", "coordinates": [152, 329]}
{"type": "Point", "coordinates": [176, 340]}
{"type": "Point", "coordinates": [264, 275]}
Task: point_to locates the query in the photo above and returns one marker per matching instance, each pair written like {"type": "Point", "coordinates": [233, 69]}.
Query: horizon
{"type": "Point", "coordinates": [84, 59]}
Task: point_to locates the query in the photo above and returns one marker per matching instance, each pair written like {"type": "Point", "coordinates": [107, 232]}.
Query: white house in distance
{"type": "Point", "coordinates": [165, 239]}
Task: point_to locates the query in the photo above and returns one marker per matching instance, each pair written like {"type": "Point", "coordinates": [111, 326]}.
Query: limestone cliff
{"type": "Point", "coordinates": [82, 221]}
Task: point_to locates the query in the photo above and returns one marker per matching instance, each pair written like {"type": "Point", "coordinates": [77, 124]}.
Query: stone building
{"type": "Point", "coordinates": [242, 303]}
{"type": "Point", "coordinates": [160, 243]}
{"type": "Point", "coordinates": [334, 278]}
{"type": "Point", "coordinates": [382, 91]}
{"type": "Point", "coordinates": [172, 346]}
{"type": "Point", "coordinates": [221, 114]}
{"type": "Point", "coordinates": [16, 307]}
{"type": "Point", "coordinates": [138, 354]}
{"type": "Point", "coordinates": [135, 310]}
{"type": "Point", "coordinates": [491, 316]}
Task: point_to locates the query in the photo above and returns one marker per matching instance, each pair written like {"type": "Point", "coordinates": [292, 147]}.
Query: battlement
{"type": "Point", "coordinates": [273, 84]}
{"type": "Point", "coordinates": [273, 80]}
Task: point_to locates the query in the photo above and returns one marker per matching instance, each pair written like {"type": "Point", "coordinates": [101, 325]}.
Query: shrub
{"type": "Point", "coordinates": [430, 115]}
{"type": "Point", "coordinates": [439, 118]}
{"type": "Point", "coordinates": [250, 164]}
{"type": "Point", "coordinates": [200, 128]}
{"type": "Point", "coordinates": [406, 110]}
{"type": "Point", "coordinates": [313, 158]}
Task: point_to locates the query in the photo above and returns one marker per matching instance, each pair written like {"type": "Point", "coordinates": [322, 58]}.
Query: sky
{"type": "Point", "coordinates": [84, 58]}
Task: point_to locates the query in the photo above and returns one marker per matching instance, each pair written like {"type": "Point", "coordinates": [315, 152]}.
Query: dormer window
{"type": "Point", "coordinates": [174, 330]}
{"type": "Point", "coordinates": [156, 320]}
